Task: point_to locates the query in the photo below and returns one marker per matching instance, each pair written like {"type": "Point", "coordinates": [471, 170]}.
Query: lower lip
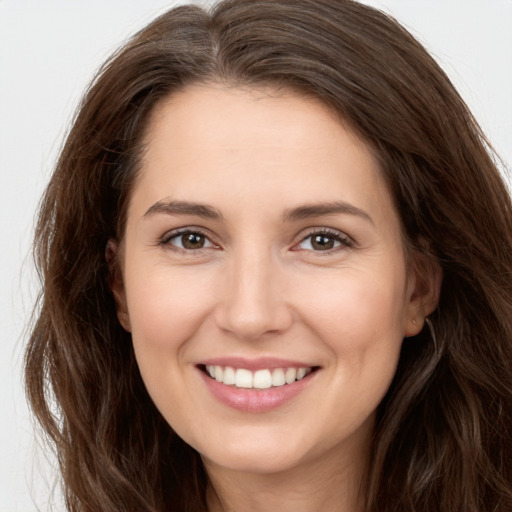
{"type": "Point", "coordinates": [255, 400]}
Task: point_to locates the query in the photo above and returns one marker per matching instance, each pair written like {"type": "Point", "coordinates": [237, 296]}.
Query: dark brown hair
{"type": "Point", "coordinates": [443, 439]}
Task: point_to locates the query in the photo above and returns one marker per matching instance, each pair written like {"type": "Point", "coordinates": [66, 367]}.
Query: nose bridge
{"type": "Point", "coordinates": [253, 301]}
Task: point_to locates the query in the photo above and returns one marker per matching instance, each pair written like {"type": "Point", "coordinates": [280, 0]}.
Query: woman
{"type": "Point", "coordinates": [276, 258]}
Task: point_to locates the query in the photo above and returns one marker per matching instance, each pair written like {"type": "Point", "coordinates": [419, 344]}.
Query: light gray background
{"type": "Point", "coordinates": [49, 49]}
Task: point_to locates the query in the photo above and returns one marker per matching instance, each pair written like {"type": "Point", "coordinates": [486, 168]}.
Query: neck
{"type": "Point", "coordinates": [326, 485]}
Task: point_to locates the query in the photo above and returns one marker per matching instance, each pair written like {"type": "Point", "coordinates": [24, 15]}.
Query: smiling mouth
{"type": "Point", "coordinates": [260, 379]}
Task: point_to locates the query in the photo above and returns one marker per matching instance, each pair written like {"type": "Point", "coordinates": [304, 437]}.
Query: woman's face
{"type": "Point", "coordinates": [262, 246]}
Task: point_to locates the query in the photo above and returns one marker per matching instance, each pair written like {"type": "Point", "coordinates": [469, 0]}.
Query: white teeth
{"type": "Point", "coordinates": [301, 373]}
{"type": "Point", "coordinates": [278, 377]}
{"type": "Point", "coordinates": [243, 378]}
{"type": "Point", "coordinates": [229, 376]}
{"type": "Point", "coordinates": [260, 379]}
{"type": "Point", "coordinates": [290, 375]}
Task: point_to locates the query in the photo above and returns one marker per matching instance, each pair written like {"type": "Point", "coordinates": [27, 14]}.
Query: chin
{"type": "Point", "coordinates": [257, 456]}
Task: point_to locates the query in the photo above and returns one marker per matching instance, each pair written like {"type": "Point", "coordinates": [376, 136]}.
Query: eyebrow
{"type": "Point", "coordinates": [184, 208]}
{"type": "Point", "coordinates": [301, 212]}
{"type": "Point", "coordinates": [320, 209]}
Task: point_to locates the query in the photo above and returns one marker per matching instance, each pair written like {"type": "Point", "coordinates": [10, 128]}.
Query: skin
{"type": "Point", "coordinates": [259, 288]}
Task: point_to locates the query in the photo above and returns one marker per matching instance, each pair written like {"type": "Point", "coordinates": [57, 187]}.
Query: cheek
{"type": "Point", "coordinates": [166, 306]}
{"type": "Point", "coordinates": [359, 320]}
{"type": "Point", "coordinates": [357, 308]}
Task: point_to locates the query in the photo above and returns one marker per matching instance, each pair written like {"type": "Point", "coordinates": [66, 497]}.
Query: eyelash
{"type": "Point", "coordinates": [343, 240]}
{"type": "Point", "coordinates": [168, 237]}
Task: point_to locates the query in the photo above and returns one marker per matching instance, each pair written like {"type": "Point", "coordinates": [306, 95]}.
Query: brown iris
{"type": "Point", "coordinates": [193, 240]}
{"type": "Point", "coordinates": [322, 242]}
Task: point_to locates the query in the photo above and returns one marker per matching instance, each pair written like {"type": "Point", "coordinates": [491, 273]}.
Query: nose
{"type": "Point", "coordinates": [252, 301]}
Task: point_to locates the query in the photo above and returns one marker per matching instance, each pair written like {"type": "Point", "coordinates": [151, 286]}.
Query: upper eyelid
{"type": "Point", "coordinates": [187, 229]}
{"type": "Point", "coordinates": [325, 231]}
{"type": "Point", "coordinates": [166, 238]}
{"type": "Point", "coordinates": [345, 241]}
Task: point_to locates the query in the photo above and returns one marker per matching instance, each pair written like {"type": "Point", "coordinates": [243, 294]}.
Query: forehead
{"type": "Point", "coordinates": [209, 143]}
{"type": "Point", "coordinates": [213, 110]}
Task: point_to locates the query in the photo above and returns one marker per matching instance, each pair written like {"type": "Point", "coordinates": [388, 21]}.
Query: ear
{"type": "Point", "coordinates": [424, 287]}
{"type": "Point", "coordinates": [116, 283]}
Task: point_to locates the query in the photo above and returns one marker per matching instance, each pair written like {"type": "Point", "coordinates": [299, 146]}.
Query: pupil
{"type": "Point", "coordinates": [323, 242]}
{"type": "Point", "coordinates": [193, 241]}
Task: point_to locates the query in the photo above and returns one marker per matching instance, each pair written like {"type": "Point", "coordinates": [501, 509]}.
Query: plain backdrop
{"type": "Point", "coordinates": [49, 50]}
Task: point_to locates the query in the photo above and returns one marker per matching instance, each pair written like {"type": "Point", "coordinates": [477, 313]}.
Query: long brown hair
{"type": "Point", "coordinates": [443, 439]}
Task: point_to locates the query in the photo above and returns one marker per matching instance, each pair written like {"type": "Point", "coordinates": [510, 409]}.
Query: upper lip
{"type": "Point", "coordinates": [255, 364]}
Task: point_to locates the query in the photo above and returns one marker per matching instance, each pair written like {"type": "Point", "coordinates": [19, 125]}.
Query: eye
{"type": "Point", "coordinates": [323, 241]}
{"type": "Point", "coordinates": [188, 240]}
